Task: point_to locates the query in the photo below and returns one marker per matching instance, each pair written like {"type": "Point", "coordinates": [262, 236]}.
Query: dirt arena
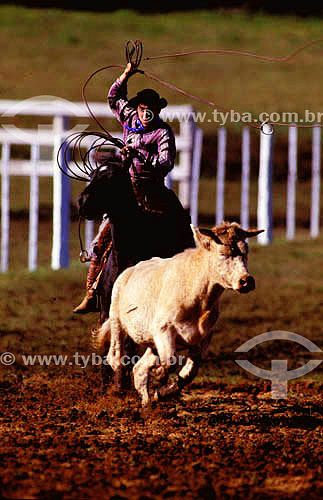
{"type": "Point", "coordinates": [224, 438]}
{"type": "Point", "coordinates": [60, 439]}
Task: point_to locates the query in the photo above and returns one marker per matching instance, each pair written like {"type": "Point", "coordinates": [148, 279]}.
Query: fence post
{"type": "Point", "coordinates": [316, 165]}
{"type": "Point", "coordinates": [169, 181]}
{"type": "Point", "coordinates": [5, 206]}
{"type": "Point", "coordinates": [291, 183]}
{"type": "Point", "coordinates": [195, 175]}
{"type": "Point", "coordinates": [221, 158]}
{"type": "Point", "coordinates": [33, 209]}
{"type": "Point", "coordinates": [264, 209]}
{"type": "Point", "coordinates": [187, 130]}
{"type": "Point", "coordinates": [89, 233]}
{"type": "Point", "coordinates": [245, 178]}
{"type": "Point", "coordinates": [61, 199]}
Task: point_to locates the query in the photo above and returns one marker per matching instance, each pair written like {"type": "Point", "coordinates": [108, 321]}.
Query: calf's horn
{"type": "Point", "coordinates": [251, 232]}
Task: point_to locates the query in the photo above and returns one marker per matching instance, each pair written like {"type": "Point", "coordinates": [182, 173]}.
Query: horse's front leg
{"type": "Point", "coordinates": [101, 337]}
{"type": "Point", "coordinates": [110, 274]}
{"type": "Point", "coordinates": [129, 350]}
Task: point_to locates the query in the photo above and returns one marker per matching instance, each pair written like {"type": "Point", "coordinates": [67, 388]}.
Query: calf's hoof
{"type": "Point", "coordinates": [168, 392]}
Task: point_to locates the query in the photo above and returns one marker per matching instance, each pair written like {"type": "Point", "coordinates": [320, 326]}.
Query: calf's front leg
{"type": "Point", "coordinates": [187, 373]}
{"type": "Point", "coordinates": [165, 344]}
{"type": "Point", "coordinates": [141, 375]}
{"type": "Point", "coordinates": [189, 370]}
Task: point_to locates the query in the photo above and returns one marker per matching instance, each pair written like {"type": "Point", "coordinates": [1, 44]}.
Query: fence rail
{"type": "Point", "coordinates": [186, 172]}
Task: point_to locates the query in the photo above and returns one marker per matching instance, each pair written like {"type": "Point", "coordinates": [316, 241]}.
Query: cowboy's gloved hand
{"type": "Point", "coordinates": [128, 71]}
{"type": "Point", "coordinates": [128, 152]}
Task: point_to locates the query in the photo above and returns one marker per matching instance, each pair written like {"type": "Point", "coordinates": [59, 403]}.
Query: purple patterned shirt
{"type": "Point", "coordinates": [156, 143]}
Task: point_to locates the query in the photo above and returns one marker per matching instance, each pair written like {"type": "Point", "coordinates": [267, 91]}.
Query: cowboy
{"type": "Point", "coordinates": [150, 150]}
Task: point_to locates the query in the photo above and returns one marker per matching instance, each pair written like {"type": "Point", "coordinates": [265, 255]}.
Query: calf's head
{"type": "Point", "coordinates": [227, 243]}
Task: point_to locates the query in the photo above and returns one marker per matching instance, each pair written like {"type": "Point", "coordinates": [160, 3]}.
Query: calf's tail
{"type": "Point", "coordinates": [101, 336]}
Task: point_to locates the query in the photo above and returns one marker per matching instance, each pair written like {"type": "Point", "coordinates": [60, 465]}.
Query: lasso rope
{"type": "Point", "coordinates": [134, 52]}
{"type": "Point", "coordinates": [134, 56]}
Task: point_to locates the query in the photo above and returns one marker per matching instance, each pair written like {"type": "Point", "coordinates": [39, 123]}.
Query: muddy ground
{"type": "Point", "coordinates": [61, 439]}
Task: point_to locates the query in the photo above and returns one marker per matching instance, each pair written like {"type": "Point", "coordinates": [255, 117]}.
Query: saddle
{"type": "Point", "coordinates": [152, 196]}
{"type": "Point", "coordinates": [151, 193]}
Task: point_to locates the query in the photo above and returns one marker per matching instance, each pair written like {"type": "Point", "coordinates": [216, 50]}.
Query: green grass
{"type": "Point", "coordinates": [51, 52]}
{"type": "Point", "coordinates": [232, 202]}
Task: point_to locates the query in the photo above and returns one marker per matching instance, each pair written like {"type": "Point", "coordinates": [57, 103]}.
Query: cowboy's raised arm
{"type": "Point", "coordinates": [117, 96]}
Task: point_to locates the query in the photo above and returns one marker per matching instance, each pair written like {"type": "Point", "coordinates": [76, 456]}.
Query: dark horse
{"type": "Point", "coordinates": [136, 234]}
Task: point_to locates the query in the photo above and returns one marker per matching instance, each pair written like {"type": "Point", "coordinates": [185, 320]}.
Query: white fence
{"type": "Point", "coordinates": [265, 191]}
{"type": "Point", "coordinates": [186, 171]}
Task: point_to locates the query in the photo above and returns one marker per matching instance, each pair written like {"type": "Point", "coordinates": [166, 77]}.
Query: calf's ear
{"type": "Point", "coordinates": [203, 237]}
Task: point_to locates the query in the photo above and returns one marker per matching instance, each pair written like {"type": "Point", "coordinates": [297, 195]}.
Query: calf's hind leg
{"type": "Point", "coordinates": [116, 352]}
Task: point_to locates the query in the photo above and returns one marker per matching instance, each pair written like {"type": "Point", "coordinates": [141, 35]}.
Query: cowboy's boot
{"type": "Point", "coordinates": [89, 302]}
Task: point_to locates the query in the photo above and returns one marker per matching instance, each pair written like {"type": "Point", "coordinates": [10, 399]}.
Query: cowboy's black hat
{"type": "Point", "coordinates": [149, 97]}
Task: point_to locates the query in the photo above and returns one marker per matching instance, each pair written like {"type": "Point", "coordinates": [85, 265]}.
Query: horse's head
{"type": "Point", "coordinates": [102, 194]}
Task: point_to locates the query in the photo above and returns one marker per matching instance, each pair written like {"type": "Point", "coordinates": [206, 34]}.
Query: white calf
{"type": "Point", "coordinates": [165, 304]}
